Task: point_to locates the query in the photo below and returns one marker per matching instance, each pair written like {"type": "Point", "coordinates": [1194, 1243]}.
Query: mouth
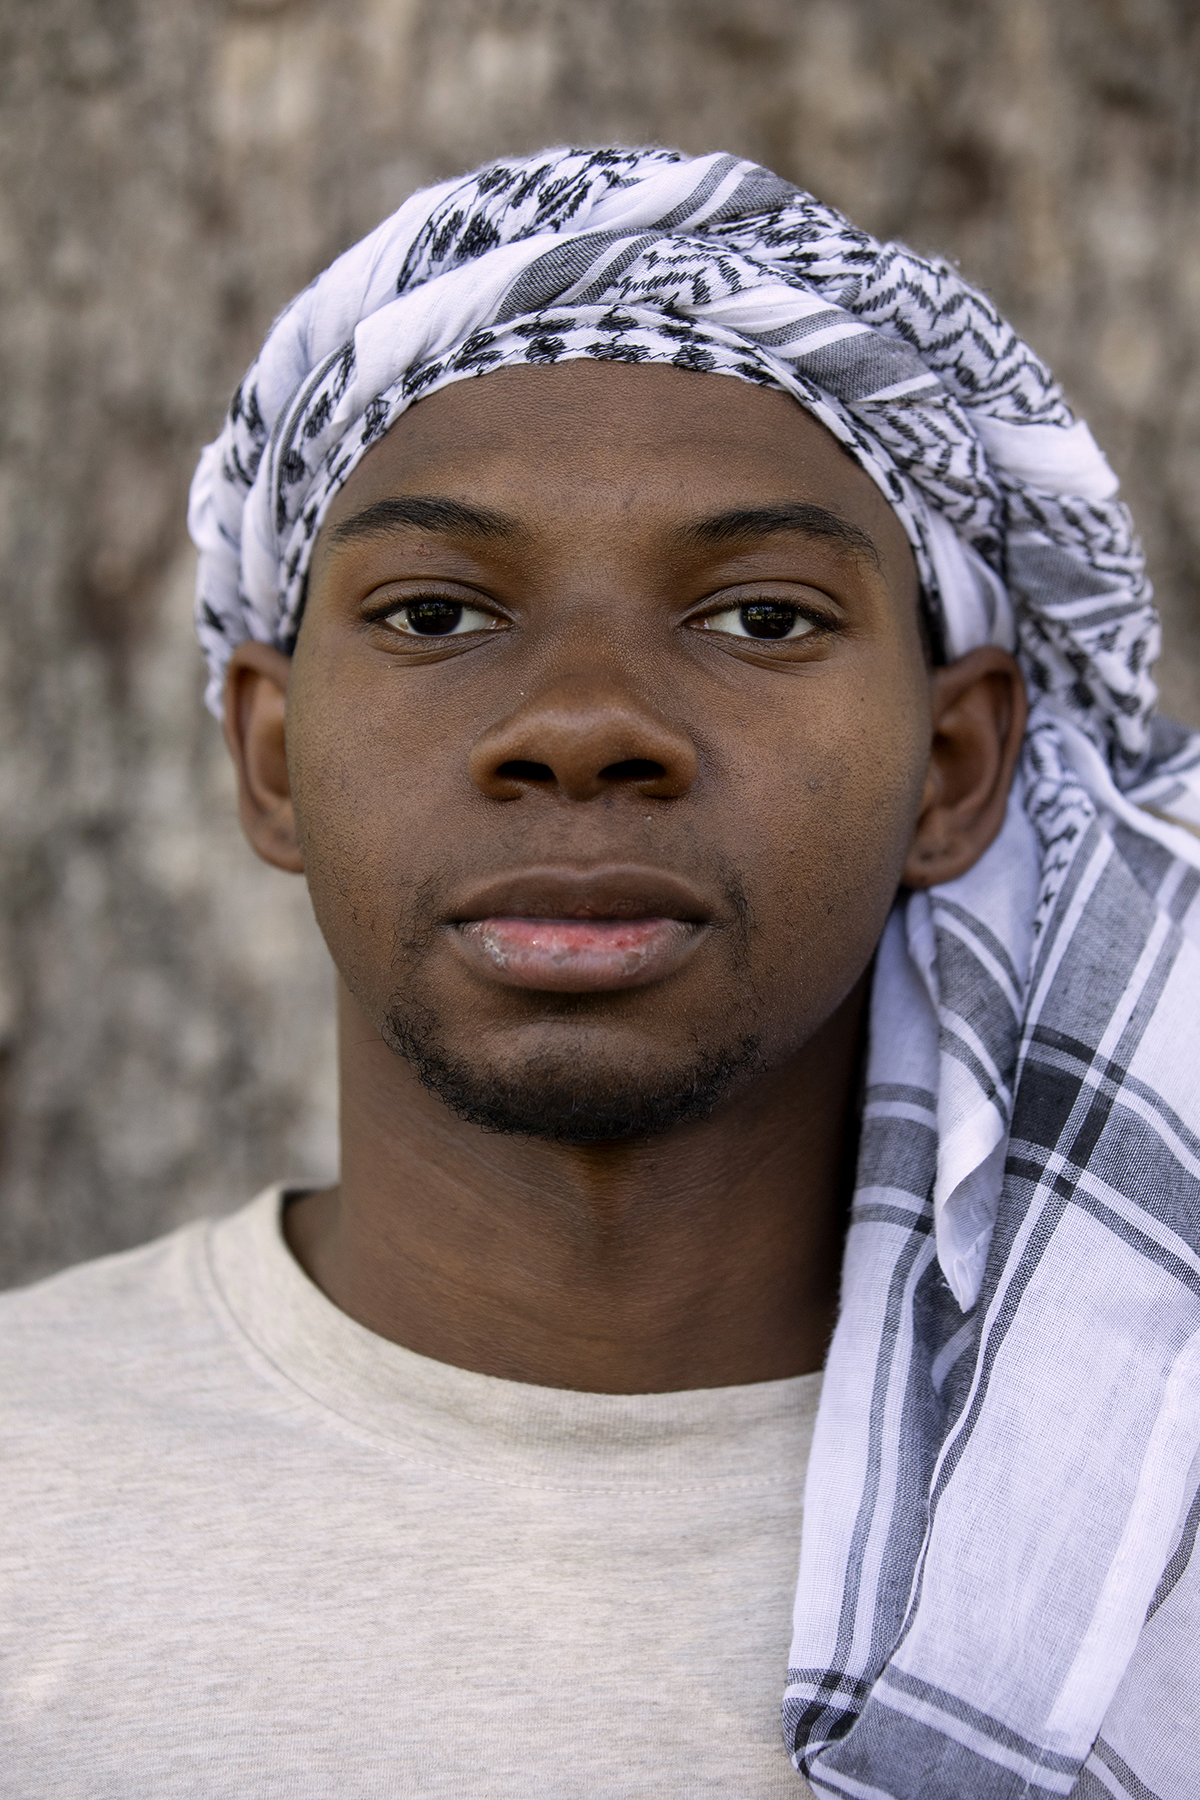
{"type": "Point", "coordinates": [568, 932]}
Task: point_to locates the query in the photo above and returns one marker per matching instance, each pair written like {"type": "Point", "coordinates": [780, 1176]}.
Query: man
{"type": "Point", "coordinates": [715, 928]}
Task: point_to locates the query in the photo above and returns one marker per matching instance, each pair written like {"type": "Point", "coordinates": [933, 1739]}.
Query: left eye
{"type": "Point", "coordinates": [439, 618]}
{"type": "Point", "coordinates": [760, 619]}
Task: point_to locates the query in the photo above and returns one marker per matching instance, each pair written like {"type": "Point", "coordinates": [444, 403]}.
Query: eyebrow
{"type": "Point", "coordinates": [431, 512]}
{"type": "Point", "coordinates": [425, 513]}
{"type": "Point", "coordinates": [788, 515]}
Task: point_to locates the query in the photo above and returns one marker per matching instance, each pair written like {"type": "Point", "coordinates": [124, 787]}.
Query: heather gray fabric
{"type": "Point", "coordinates": [249, 1551]}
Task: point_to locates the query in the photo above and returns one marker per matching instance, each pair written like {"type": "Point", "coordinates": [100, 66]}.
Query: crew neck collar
{"type": "Point", "coordinates": [757, 1434]}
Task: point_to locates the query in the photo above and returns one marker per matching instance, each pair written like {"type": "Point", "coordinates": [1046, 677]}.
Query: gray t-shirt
{"type": "Point", "coordinates": [248, 1549]}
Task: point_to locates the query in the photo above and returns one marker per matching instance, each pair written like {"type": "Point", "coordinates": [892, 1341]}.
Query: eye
{"type": "Point", "coordinates": [760, 619]}
{"type": "Point", "coordinates": [439, 618]}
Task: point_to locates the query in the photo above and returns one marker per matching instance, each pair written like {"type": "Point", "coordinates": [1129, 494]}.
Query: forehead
{"type": "Point", "coordinates": [655, 443]}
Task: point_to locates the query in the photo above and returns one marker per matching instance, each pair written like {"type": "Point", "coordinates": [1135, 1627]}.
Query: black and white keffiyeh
{"type": "Point", "coordinates": [995, 1595]}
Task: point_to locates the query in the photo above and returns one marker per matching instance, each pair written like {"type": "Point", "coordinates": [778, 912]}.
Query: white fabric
{"type": "Point", "coordinates": [249, 1550]}
{"type": "Point", "coordinates": [1031, 1143]}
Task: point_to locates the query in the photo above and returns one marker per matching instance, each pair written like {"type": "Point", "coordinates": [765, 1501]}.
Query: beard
{"type": "Point", "coordinates": [569, 1096]}
{"type": "Point", "coordinates": [559, 1099]}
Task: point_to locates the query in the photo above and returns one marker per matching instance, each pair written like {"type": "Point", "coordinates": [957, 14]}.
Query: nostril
{"type": "Point", "coordinates": [634, 768]}
{"type": "Point", "coordinates": [526, 771]}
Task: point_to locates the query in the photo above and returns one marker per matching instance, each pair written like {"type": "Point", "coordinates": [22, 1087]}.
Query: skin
{"type": "Point", "coordinates": [597, 838]}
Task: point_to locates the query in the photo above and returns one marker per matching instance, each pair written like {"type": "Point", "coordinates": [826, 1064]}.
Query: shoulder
{"type": "Point", "coordinates": [100, 1293]}
{"type": "Point", "coordinates": [87, 1343]}
{"type": "Point", "coordinates": [118, 1381]}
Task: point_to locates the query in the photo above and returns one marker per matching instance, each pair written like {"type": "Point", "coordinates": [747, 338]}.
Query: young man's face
{"type": "Point", "coordinates": [607, 730]}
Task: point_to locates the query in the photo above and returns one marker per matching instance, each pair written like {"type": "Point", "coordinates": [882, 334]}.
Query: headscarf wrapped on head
{"type": "Point", "coordinates": [1002, 1495]}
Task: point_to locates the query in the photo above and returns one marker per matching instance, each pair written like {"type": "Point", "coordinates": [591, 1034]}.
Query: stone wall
{"type": "Point", "coordinates": [170, 173]}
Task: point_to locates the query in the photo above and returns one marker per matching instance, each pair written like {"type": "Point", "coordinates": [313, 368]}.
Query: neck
{"type": "Point", "coordinates": [707, 1257]}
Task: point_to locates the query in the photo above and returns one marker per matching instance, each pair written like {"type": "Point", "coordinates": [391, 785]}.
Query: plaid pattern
{"type": "Point", "coordinates": [997, 1595]}
{"type": "Point", "coordinates": [1001, 1509]}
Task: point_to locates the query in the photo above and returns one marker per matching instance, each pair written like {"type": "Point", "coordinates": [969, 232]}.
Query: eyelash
{"type": "Point", "coordinates": [763, 609]}
{"type": "Point", "coordinates": [430, 602]}
{"type": "Point", "coordinates": [812, 622]}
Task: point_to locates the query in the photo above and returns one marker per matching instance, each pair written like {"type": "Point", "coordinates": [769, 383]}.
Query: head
{"type": "Point", "coordinates": [609, 737]}
{"type": "Point", "coordinates": [610, 572]}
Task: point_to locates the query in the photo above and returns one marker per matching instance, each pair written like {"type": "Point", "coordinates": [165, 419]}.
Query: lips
{"type": "Point", "coordinates": [567, 931]}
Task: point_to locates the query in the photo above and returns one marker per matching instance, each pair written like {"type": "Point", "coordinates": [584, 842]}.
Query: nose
{"type": "Point", "coordinates": [580, 738]}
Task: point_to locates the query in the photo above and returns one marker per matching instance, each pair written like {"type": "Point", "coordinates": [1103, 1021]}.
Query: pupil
{"type": "Point", "coordinates": [766, 620]}
{"type": "Point", "coordinates": [434, 618]}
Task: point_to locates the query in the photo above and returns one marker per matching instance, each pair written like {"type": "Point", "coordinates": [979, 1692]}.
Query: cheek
{"type": "Point", "coordinates": [364, 807]}
{"type": "Point", "coordinates": [827, 835]}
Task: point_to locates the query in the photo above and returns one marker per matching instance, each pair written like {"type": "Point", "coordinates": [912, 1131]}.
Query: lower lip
{"type": "Point", "coordinates": [578, 956]}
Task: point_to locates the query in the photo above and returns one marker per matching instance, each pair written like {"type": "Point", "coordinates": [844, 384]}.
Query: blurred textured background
{"type": "Point", "coordinates": [170, 173]}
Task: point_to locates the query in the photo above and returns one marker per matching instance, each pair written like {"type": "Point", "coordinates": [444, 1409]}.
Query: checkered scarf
{"type": "Point", "coordinates": [995, 1595]}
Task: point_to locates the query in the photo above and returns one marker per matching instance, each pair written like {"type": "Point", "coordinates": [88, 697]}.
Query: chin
{"type": "Point", "coordinates": [569, 1099]}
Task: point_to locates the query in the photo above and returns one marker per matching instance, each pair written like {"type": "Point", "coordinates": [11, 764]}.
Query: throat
{"type": "Point", "coordinates": [706, 1255]}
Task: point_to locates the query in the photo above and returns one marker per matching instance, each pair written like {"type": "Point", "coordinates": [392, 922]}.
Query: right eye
{"type": "Point", "coordinates": [768, 619]}
{"type": "Point", "coordinates": [439, 618]}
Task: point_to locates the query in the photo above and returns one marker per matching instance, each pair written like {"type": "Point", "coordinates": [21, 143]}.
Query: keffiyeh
{"type": "Point", "coordinates": [995, 1595]}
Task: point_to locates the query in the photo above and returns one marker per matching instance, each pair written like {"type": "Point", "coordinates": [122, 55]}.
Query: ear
{"type": "Point", "coordinates": [255, 704]}
{"type": "Point", "coordinates": [979, 712]}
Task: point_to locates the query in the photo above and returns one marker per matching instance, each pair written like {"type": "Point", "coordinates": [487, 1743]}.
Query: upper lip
{"type": "Point", "coordinates": [615, 891]}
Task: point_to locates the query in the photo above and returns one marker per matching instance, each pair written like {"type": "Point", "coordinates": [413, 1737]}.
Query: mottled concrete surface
{"type": "Point", "coordinates": [169, 174]}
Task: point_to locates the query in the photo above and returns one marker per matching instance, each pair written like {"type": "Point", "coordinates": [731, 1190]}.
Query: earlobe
{"type": "Point", "coordinates": [979, 712]}
{"type": "Point", "coordinates": [254, 725]}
